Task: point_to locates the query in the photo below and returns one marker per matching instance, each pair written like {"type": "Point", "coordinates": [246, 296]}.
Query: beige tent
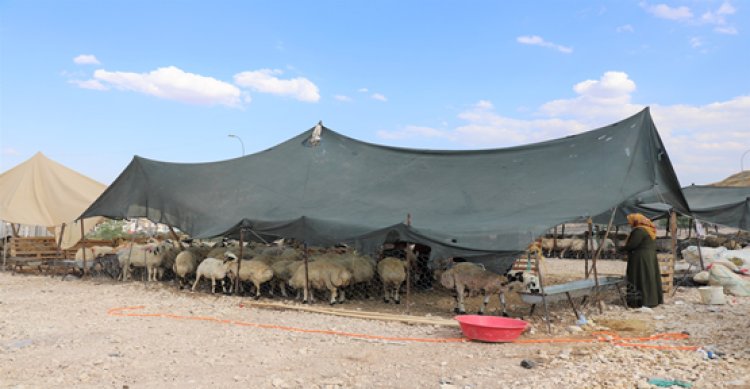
{"type": "Point", "coordinates": [42, 192]}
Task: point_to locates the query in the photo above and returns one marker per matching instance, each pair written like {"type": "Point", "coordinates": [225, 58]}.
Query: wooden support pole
{"type": "Point", "coordinates": [554, 240]}
{"type": "Point", "coordinates": [14, 228]}
{"type": "Point", "coordinates": [544, 298]}
{"type": "Point", "coordinates": [408, 256]}
{"type": "Point", "coordinates": [599, 251]}
{"type": "Point", "coordinates": [673, 226]}
{"type": "Point", "coordinates": [698, 241]}
{"type": "Point", "coordinates": [239, 261]}
{"type": "Point", "coordinates": [83, 245]}
{"type": "Point", "coordinates": [589, 243]}
{"type": "Point", "coordinates": [307, 278]}
{"type": "Point", "coordinates": [59, 240]}
{"type": "Point", "coordinates": [177, 238]}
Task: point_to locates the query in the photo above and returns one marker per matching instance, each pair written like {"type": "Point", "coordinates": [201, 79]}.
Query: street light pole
{"type": "Point", "coordinates": [742, 159]}
{"type": "Point", "coordinates": [241, 142]}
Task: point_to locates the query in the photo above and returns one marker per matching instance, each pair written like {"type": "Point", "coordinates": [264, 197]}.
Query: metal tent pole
{"type": "Point", "coordinates": [599, 251]}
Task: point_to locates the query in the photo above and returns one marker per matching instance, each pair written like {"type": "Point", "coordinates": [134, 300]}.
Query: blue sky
{"type": "Point", "coordinates": [92, 83]}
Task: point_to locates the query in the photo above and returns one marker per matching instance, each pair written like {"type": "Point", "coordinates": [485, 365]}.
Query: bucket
{"type": "Point", "coordinates": [712, 295]}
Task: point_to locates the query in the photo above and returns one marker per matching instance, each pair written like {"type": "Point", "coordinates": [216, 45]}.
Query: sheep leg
{"type": "Point", "coordinates": [396, 298]}
{"type": "Point", "coordinates": [195, 284]}
{"type": "Point", "coordinates": [282, 286]}
{"type": "Point", "coordinates": [342, 296]}
{"type": "Point", "coordinates": [333, 296]}
{"type": "Point", "coordinates": [386, 292]}
{"type": "Point", "coordinates": [502, 302]}
{"type": "Point", "coordinates": [484, 303]}
{"type": "Point", "coordinates": [460, 299]}
{"type": "Point", "coordinates": [304, 294]}
{"type": "Point", "coordinates": [213, 285]}
{"type": "Point", "coordinates": [257, 290]}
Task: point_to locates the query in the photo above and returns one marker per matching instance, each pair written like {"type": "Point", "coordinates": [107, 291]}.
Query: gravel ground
{"type": "Point", "coordinates": [56, 333]}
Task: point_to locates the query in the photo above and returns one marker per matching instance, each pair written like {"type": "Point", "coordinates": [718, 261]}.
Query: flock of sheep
{"type": "Point", "coordinates": [275, 268]}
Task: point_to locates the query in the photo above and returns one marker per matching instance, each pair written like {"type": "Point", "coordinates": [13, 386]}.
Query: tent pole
{"type": "Point", "coordinates": [83, 246]}
{"type": "Point", "coordinates": [59, 241]}
{"type": "Point", "coordinates": [544, 298]}
{"type": "Point", "coordinates": [14, 228]}
{"type": "Point", "coordinates": [408, 267]}
{"type": "Point", "coordinates": [698, 241]}
{"type": "Point", "coordinates": [177, 238]}
{"type": "Point", "coordinates": [599, 251]}
{"type": "Point", "coordinates": [6, 242]}
{"type": "Point", "coordinates": [239, 261]}
{"type": "Point", "coordinates": [589, 242]}
{"type": "Point", "coordinates": [673, 226]}
{"type": "Point", "coordinates": [308, 295]}
{"type": "Point", "coordinates": [554, 241]}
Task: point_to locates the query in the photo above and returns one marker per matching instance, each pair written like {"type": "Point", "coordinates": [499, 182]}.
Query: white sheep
{"type": "Point", "coordinates": [94, 252]}
{"type": "Point", "coordinates": [252, 270]}
{"type": "Point", "coordinates": [215, 269]}
{"type": "Point", "coordinates": [187, 262]}
{"type": "Point", "coordinates": [473, 278]}
{"type": "Point", "coordinates": [360, 267]}
{"type": "Point", "coordinates": [321, 275]}
{"type": "Point", "coordinates": [137, 255]}
{"type": "Point", "coordinates": [392, 272]}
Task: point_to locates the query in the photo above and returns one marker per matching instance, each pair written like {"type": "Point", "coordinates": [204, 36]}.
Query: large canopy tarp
{"type": "Point", "coordinates": [462, 203]}
{"type": "Point", "coordinates": [42, 192]}
{"type": "Point", "coordinates": [728, 206]}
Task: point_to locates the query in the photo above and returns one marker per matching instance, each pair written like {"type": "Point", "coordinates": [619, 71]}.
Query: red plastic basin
{"type": "Point", "coordinates": [491, 328]}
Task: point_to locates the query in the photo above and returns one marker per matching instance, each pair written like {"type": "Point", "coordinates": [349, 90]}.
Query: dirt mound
{"type": "Point", "coordinates": [739, 179]}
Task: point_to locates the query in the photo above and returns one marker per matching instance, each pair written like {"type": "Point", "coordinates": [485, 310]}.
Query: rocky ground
{"type": "Point", "coordinates": [56, 333]}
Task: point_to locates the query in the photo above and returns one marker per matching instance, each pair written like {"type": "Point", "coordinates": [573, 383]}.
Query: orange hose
{"type": "Point", "coordinates": [599, 337]}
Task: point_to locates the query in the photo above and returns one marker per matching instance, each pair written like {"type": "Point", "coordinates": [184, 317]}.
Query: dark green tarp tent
{"type": "Point", "coordinates": [728, 206]}
{"type": "Point", "coordinates": [462, 203]}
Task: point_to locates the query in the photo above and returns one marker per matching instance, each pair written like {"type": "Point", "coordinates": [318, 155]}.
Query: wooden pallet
{"type": "Point", "coordinates": [666, 268]}
{"type": "Point", "coordinates": [38, 248]}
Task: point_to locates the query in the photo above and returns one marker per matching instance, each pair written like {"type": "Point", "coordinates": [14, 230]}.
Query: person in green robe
{"type": "Point", "coordinates": [642, 274]}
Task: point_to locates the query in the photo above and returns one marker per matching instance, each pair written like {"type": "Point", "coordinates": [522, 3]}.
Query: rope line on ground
{"type": "Point", "coordinates": [599, 336]}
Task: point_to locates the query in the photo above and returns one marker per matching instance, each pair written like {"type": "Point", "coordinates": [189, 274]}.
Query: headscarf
{"type": "Point", "coordinates": [637, 220]}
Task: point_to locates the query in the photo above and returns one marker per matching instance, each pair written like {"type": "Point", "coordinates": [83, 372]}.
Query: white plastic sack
{"type": "Point", "coordinates": [742, 255]}
{"type": "Point", "coordinates": [710, 254]}
{"type": "Point", "coordinates": [733, 284]}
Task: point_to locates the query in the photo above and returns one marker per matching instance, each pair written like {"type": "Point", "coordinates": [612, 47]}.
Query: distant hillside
{"type": "Point", "coordinates": [739, 179]}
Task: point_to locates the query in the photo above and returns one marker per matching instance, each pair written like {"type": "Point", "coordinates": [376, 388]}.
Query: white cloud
{"type": "Point", "coordinates": [9, 151]}
{"type": "Point", "coordinates": [664, 11]}
{"type": "Point", "coordinates": [363, 90]}
{"type": "Point", "coordinates": [89, 84]}
{"type": "Point", "coordinates": [265, 81]}
{"type": "Point", "coordinates": [86, 59]}
{"type": "Point", "coordinates": [625, 28]}
{"type": "Point", "coordinates": [536, 40]}
{"type": "Point", "coordinates": [704, 142]}
{"type": "Point", "coordinates": [696, 42]}
{"type": "Point", "coordinates": [343, 98]}
{"type": "Point", "coordinates": [378, 96]}
{"type": "Point", "coordinates": [716, 18]}
{"type": "Point", "coordinates": [172, 83]}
